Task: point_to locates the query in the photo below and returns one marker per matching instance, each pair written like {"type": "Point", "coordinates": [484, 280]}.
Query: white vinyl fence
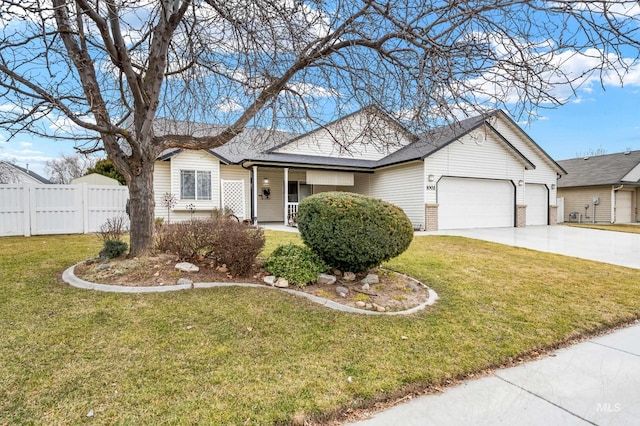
{"type": "Point", "coordinates": [27, 209]}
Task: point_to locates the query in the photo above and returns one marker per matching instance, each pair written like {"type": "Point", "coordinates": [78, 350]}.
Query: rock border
{"type": "Point", "coordinates": [70, 278]}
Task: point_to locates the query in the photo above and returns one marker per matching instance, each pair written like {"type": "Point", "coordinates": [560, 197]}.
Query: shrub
{"type": "Point", "coordinates": [111, 233]}
{"type": "Point", "coordinates": [224, 241]}
{"type": "Point", "coordinates": [353, 232]}
{"type": "Point", "coordinates": [113, 249]}
{"type": "Point", "coordinates": [236, 245]}
{"type": "Point", "coordinates": [113, 229]}
{"type": "Point", "coordinates": [298, 264]}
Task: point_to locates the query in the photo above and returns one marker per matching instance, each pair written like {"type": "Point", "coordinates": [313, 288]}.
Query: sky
{"type": "Point", "coordinates": [593, 119]}
{"type": "Point", "coordinates": [596, 119]}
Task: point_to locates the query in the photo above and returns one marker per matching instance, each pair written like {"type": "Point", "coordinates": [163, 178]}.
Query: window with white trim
{"type": "Point", "coordinates": [195, 185]}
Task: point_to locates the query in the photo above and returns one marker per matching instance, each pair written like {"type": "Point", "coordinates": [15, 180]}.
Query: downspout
{"type": "Point", "coordinates": [613, 202]}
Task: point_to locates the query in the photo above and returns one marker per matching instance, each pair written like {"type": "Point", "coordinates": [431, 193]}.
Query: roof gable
{"type": "Point", "coordinates": [610, 169]}
{"type": "Point", "coordinates": [368, 134]}
{"type": "Point", "coordinates": [30, 175]}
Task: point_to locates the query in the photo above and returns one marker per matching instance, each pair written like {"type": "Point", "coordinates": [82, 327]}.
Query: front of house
{"type": "Point", "coordinates": [484, 172]}
{"type": "Point", "coordinates": [601, 188]}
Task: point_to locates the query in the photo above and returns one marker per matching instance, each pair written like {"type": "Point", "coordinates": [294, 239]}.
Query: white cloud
{"type": "Point", "coordinates": [26, 144]}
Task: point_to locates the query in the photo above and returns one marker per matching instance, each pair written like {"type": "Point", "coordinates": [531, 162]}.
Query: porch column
{"type": "Point", "coordinates": [254, 196]}
{"type": "Point", "coordinates": [286, 196]}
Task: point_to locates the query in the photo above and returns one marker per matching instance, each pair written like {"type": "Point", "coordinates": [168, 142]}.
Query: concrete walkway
{"type": "Point", "coordinates": [618, 248]}
{"type": "Point", "coordinates": [596, 382]}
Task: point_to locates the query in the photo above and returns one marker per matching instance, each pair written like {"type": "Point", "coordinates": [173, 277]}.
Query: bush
{"type": "Point", "coordinates": [353, 232]}
{"type": "Point", "coordinates": [298, 265]}
{"type": "Point", "coordinates": [113, 249]}
{"type": "Point", "coordinates": [111, 233]}
{"type": "Point", "coordinates": [224, 241]}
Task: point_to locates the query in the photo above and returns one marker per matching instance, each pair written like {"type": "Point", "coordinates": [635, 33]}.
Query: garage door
{"type": "Point", "coordinates": [537, 202]}
{"type": "Point", "coordinates": [623, 206]}
{"type": "Point", "coordinates": [475, 203]}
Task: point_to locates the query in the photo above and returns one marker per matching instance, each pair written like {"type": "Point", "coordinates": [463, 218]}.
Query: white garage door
{"type": "Point", "coordinates": [537, 202]}
{"type": "Point", "coordinates": [475, 203]}
{"type": "Point", "coordinates": [623, 206]}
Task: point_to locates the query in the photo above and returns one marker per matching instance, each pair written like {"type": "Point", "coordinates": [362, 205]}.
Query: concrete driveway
{"type": "Point", "coordinates": [618, 248]}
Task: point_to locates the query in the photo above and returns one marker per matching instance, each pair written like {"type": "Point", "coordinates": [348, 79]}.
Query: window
{"type": "Point", "coordinates": [195, 185]}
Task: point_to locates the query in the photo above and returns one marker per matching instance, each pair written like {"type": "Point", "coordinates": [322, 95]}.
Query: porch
{"type": "Point", "coordinates": [277, 192]}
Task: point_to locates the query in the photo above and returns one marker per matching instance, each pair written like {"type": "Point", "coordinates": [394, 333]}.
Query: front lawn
{"type": "Point", "coordinates": [254, 356]}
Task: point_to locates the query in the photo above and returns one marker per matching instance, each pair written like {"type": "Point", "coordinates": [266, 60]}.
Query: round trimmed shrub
{"type": "Point", "coordinates": [298, 265]}
{"type": "Point", "coordinates": [353, 232]}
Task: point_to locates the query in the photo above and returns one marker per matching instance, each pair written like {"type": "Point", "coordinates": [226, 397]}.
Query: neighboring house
{"type": "Point", "coordinates": [601, 188]}
{"type": "Point", "coordinates": [483, 172]}
{"type": "Point", "coordinates": [17, 174]}
{"type": "Point", "coordinates": [95, 179]}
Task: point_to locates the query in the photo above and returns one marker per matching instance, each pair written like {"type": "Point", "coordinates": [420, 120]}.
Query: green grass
{"type": "Point", "coordinates": [617, 227]}
{"type": "Point", "coordinates": [258, 356]}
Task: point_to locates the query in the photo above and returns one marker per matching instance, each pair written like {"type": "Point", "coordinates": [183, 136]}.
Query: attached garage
{"type": "Point", "coordinates": [537, 201]}
{"type": "Point", "coordinates": [475, 203]}
{"type": "Point", "coordinates": [624, 207]}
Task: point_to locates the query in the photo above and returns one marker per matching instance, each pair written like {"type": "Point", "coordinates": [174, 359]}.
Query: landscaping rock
{"type": "Point", "coordinates": [269, 279]}
{"type": "Point", "coordinates": [103, 267]}
{"type": "Point", "coordinates": [370, 279]}
{"type": "Point", "coordinates": [368, 306]}
{"type": "Point", "coordinates": [222, 269]}
{"type": "Point", "coordinates": [360, 304]}
{"type": "Point", "coordinates": [281, 283]}
{"type": "Point", "coordinates": [413, 287]}
{"type": "Point", "coordinates": [365, 286]}
{"type": "Point", "coordinates": [342, 291]}
{"type": "Point", "coordinates": [185, 281]}
{"type": "Point", "coordinates": [336, 272]}
{"type": "Point", "coordinates": [349, 276]}
{"type": "Point", "coordinates": [187, 267]}
{"type": "Point", "coordinates": [326, 279]}
{"type": "Point", "coordinates": [378, 308]}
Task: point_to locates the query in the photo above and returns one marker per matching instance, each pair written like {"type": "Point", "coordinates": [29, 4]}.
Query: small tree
{"type": "Point", "coordinates": [169, 201]}
{"type": "Point", "coordinates": [106, 168]}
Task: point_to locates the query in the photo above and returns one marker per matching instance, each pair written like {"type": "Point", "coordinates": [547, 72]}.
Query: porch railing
{"type": "Point", "coordinates": [292, 214]}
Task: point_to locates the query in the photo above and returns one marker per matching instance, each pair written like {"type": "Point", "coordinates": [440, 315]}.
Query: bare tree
{"type": "Point", "coordinates": [592, 152]}
{"type": "Point", "coordinates": [103, 71]}
{"type": "Point", "coordinates": [68, 167]}
{"type": "Point", "coordinates": [8, 173]}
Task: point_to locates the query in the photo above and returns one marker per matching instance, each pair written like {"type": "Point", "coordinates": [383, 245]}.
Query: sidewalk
{"type": "Point", "coordinates": [595, 382]}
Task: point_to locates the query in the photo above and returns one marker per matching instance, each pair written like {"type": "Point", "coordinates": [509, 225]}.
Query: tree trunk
{"type": "Point", "coordinates": [142, 208]}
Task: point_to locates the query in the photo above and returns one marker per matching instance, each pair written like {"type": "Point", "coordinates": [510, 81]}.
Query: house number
{"type": "Point", "coordinates": [431, 187]}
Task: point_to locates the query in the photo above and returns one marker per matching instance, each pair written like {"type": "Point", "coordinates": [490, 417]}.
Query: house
{"type": "Point", "coordinates": [12, 173]}
{"type": "Point", "coordinates": [482, 172]}
{"type": "Point", "coordinates": [95, 179]}
{"type": "Point", "coordinates": [601, 189]}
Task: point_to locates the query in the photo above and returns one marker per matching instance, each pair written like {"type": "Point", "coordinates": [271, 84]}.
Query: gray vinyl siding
{"type": "Point", "coordinates": [272, 209]}
{"type": "Point", "coordinates": [576, 198]}
{"type": "Point", "coordinates": [401, 185]}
